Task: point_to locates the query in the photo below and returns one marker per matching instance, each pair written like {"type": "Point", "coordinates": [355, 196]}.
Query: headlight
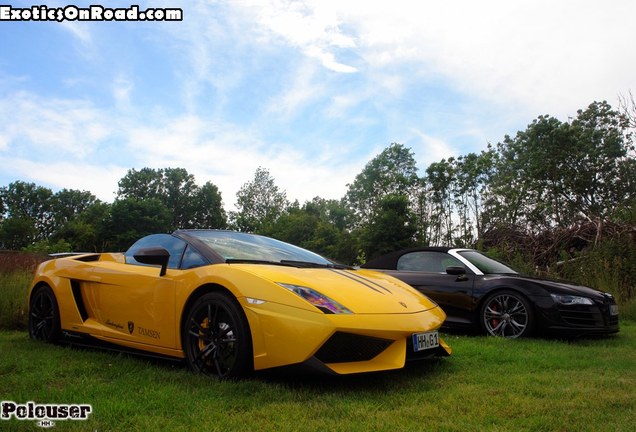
{"type": "Point", "coordinates": [571, 300]}
{"type": "Point", "coordinates": [318, 300]}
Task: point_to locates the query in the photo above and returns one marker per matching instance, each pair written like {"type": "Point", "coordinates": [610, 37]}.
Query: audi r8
{"type": "Point", "coordinates": [228, 303]}
{"type": "Point", "coordinates": [480, 293]}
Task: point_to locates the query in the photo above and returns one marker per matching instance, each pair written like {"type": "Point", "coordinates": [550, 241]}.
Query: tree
{"type": "Point", "coordinates": [17, 232]}
{"type": "Point", "coordinates": [439, 179]}
{"type": "Point", "coordinates": [259, 202]}
{"type": "Point", "coordinates": [557, 174]}
{"type": "Point", "coordinates": [392, 172]}
{"type": "Point", "coordinates": [601, 158]}
{"type": "Point", "coordinates": [87, 232]}
{"type": "Point", "coordinates": [28, 203]}
{"type": "Point", "coordinates": [317, 226]}
{"type": "Point", "coordinates": [132, 218]}
{"type": "Point", "coordinates": [208, 208]}
{"type": "Point", "coordinates": [627, 107]}
{"type": "Point", "coordinates": [392, 227]}
{"type": "Point", "coordinates": [472, 174]}
{"type": "Point", "coordinates": [67, 205]}
{"type": "Point", "coordinates": [191, 206]}
{"type": "Point", "coordinates": [145, 183]}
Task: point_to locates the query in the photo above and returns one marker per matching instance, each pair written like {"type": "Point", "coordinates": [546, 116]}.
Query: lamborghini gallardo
{"type": "Point", "coordinates": [228, 303]}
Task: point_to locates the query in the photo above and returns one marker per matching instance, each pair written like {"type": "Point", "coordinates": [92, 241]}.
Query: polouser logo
{"type": "Point", "coordinates": [44, 414]}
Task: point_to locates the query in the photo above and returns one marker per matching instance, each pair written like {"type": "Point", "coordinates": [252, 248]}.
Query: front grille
{"type": "Point", "coordinates": [347, 347]}
{"type": "Point", "coordinates": [588, 316]}
{"type": "Point", "coordinates": [597, 315]}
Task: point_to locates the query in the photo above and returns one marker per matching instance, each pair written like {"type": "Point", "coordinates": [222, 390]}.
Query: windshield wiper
{"type": "Point", "coordinates": [288, 263]}
{"type": "Point", "coordinates": [309, 264]}
{"type": "Point", "coordinates": [252, 261]}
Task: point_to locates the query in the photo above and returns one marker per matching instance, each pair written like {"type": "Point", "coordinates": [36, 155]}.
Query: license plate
{"type": "Point", "coordinates": [424, 341]}
{"type": "Point", "coordinates": [613, 310]}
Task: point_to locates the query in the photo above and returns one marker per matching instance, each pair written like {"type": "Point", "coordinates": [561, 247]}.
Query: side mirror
{"type": "Point", "coordinates": [154, 256]}
{"type": "Point", "coordinates": [456, 270]}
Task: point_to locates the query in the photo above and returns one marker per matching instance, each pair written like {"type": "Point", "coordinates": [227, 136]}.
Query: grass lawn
{"type": "Point", "coordinates": [488, 384]}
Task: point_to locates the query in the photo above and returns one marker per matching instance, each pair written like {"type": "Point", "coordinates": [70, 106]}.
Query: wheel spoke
{"type": "Point", "coordinates": [213, 339]}
{"type": "Point", "coordinates": [497, 328]}
{"type": "Point", "coordinates": [212, 318]}
{"type": "Point", "coordinates": [518, 327]}
{"type": "Point", "coordinates": [490, 313]}
{"type": "Point", "coordinates": [505, 315]}
{"type": "Point", "coordinates": [502, 328]}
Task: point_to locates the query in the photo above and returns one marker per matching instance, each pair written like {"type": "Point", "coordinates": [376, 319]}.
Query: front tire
{"type": "Point", "coordinates": [507, 314]}
{"type": "Point", "coordinates": [216, 338]}
{"type": "Point", "coordinates": [44, 315]}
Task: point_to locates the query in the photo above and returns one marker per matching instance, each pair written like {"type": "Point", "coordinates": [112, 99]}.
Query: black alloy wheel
{"type": "Point", "coordinates": [216, 338]}
{"type": "Point", "coordinates": [44, 315]}
{"type": "Point", "coordinates": [507, 314]}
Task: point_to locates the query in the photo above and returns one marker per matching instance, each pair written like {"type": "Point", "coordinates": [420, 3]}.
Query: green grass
{"type": "Point", "coordinates": [488, 384]}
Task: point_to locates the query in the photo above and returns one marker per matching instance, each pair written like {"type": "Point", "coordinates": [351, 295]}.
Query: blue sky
{"type": "Point", "coordinates": [310, 90]}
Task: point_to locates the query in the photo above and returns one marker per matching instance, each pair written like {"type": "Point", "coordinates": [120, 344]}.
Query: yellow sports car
{"type": "Point", "coordinates": [229, 303]}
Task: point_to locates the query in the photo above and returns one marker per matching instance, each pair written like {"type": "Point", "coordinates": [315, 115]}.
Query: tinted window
{"type": "Point", "coordinates": [173, 245]}
{"type": "Point", "coordinates": [250, 247]}
{"type": "Point", "coordinates": [433, 262]}
{"type": "Point", "coordinates": [485, 264]}
{"type": "Point", "coordinates": [192, 259]}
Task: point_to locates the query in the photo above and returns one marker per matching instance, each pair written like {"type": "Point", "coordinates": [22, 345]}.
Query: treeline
{"type": "Point", "coordinates": [546, 199]}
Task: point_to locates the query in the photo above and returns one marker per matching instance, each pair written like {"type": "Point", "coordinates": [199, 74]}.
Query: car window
{"type": "Point", "coordinates": [173, 245]}
{"type": "Point", "coordinates": [486, 264]}
{"type": "Point", "coordinates": [192, 259]}
{"type": "Point", "coordinates": [427, 261]}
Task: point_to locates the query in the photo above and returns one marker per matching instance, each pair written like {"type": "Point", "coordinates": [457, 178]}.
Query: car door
{"type": "Point", "coordinates": [427, 272]}
{"type": "Point", "coordinates": [136, 306]}
{"type": "Point", "coordinates": [132, 301]}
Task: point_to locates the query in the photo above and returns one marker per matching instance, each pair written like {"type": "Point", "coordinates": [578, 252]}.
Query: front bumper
{"type": "Point", "coordinates": [340, 344]}
{"type": "Point", "coordinates": [577, 320]}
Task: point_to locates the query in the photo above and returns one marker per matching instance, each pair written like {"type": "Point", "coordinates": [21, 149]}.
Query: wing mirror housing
{"type": "Point", "coordinates": [154, 256]}
{"type": "Point", "coordinates": [456, 270]}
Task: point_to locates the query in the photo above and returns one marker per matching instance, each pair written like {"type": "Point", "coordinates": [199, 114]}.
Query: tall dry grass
{"type": "Point", "coordinates": [16, 273]}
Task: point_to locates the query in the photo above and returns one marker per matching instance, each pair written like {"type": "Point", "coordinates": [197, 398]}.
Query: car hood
{"type": "Point", "coordinates": [361, 291]}
{"type": "Point", "coordinates": [556, 286]}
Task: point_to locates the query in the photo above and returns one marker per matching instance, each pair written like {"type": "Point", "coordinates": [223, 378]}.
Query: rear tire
{"type": "Point", "coordinates": [216, 337]}
{"type": "Point", "coordinates": [44, 315]}
{"type": "Point", "coordinates": [507, 314]}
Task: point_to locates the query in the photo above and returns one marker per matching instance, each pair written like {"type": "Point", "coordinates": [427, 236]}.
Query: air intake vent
{"type": "Point", "coordinates": [348, 347]}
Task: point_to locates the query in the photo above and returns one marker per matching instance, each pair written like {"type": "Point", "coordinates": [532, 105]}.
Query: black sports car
{"type": "Point", "coordinates": [478, 292]}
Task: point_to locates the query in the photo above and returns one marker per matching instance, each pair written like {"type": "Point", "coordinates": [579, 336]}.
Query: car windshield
{"type": "Point", "coordinates": [243, 247]}
{"type": "Point", "coordinates": [485, 264]}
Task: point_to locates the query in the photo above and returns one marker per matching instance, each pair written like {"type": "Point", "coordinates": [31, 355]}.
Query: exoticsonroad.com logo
{"type": "Point", "coordinates": [44, 414]}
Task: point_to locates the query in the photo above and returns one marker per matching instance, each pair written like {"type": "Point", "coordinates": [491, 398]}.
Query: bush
{"type": "Point", "coordinates": [610, 267]}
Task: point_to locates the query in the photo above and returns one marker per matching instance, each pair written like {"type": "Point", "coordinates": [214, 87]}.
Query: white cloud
{"type": "Point", "coordinates": [537, 55]}
{"type": "Point", "coordinates": [122, 86]}
{"type": "Point", "coordinates": [228, 157]}
{"type": "Point", "coordinates": [313, 27]}
{"type": "Point", "coordinates": [52, 126]}
{"type": "Point", "coordinates": [99, 179]}
{"type": "Point", "coordinates": [79, 30]}
{"type": "Point", "coordinates": [430, 149]}
{"type": "Point", "coordinates": [304, 88]}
